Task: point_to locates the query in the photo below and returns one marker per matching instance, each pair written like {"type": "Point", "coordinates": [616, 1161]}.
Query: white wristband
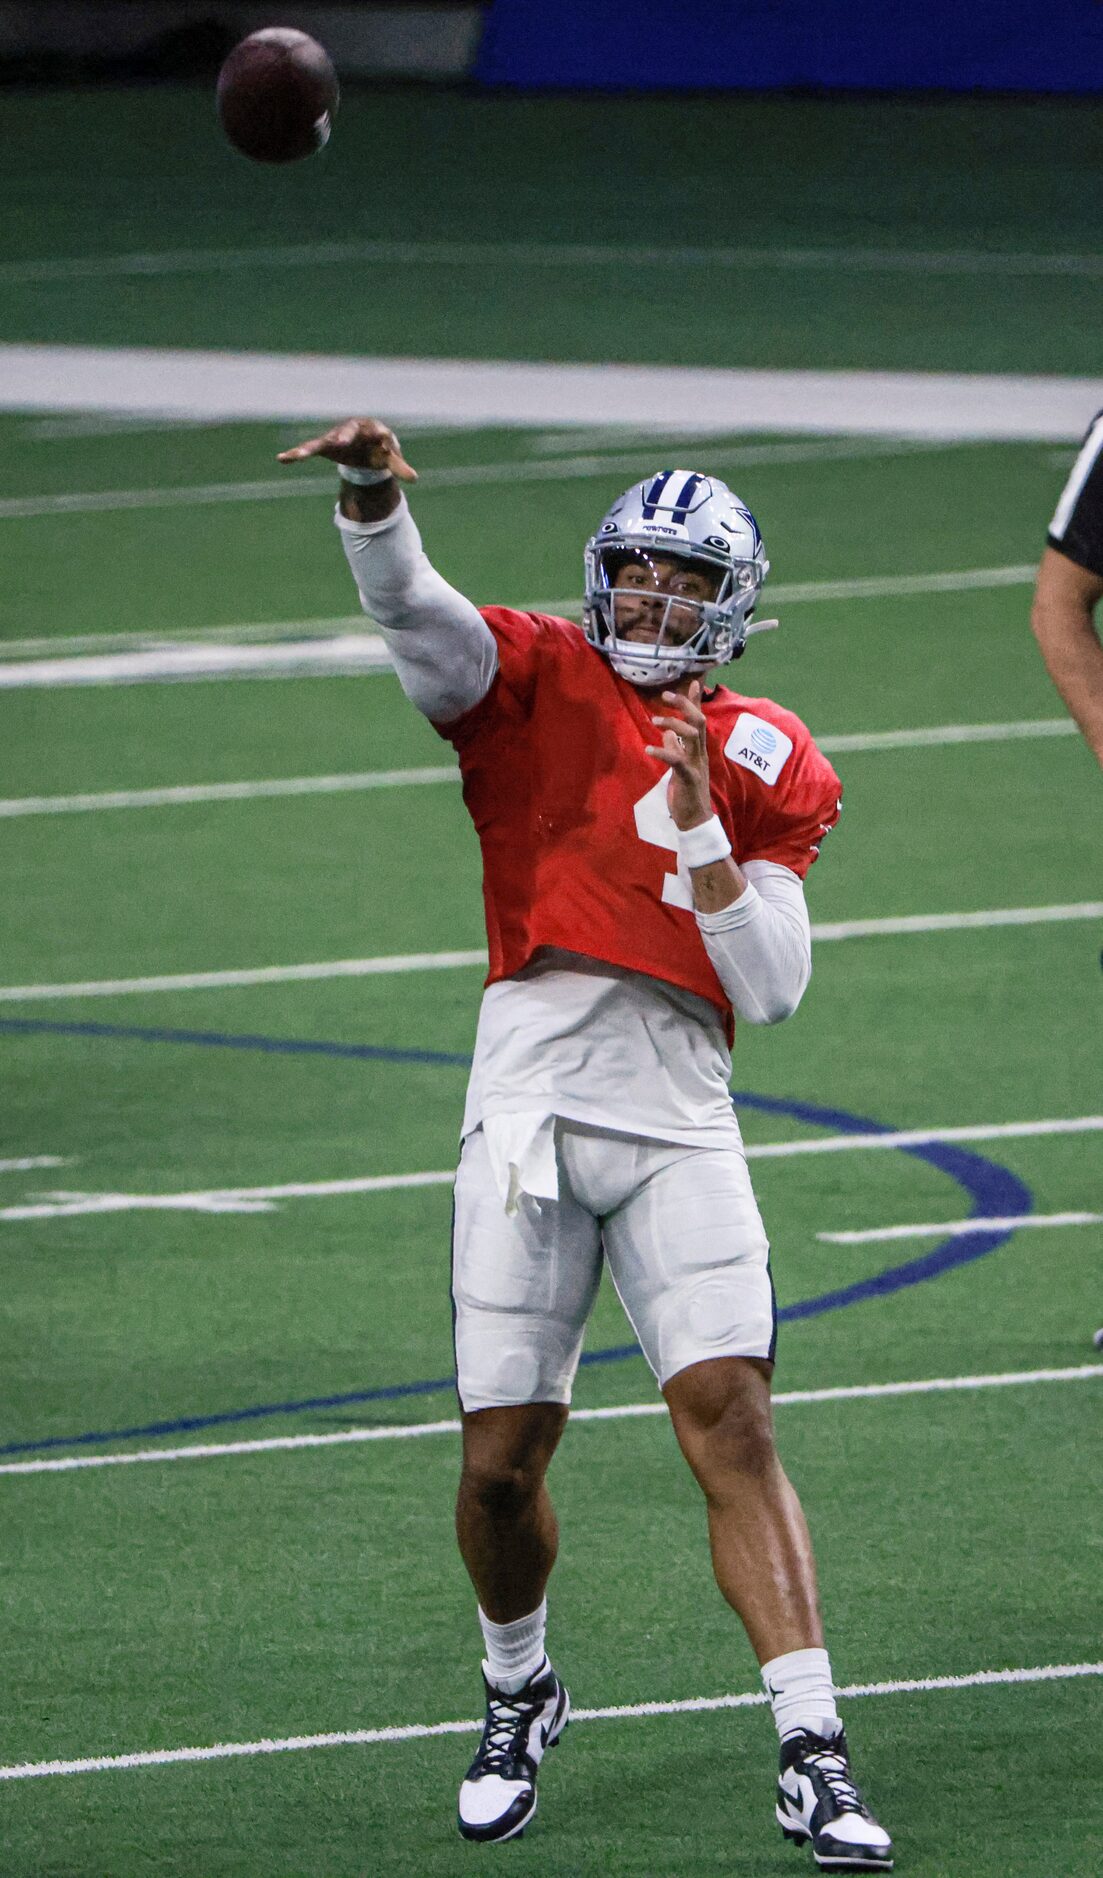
{"type": "Point", "coordinates": [364, 477]}
{"type": "Point", "coordinates": [707, 842]}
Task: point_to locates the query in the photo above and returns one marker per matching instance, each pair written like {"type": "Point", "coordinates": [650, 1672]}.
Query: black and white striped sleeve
{"type": "Point", "coordinates": [1077, 526]}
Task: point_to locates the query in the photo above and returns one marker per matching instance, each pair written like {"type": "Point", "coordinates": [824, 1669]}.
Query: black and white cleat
{"type": "Point", "coordinates": [498, 1795]}
{"type": "Point", "coordinates": [817, 1800]}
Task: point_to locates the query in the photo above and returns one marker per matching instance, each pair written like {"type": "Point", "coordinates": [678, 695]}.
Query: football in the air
{"type": "Point", "coordinates": [277, 93]}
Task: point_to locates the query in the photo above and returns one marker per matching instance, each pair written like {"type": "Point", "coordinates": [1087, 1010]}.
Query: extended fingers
{"type": "Point", "coordinates": [316, 447]}
{"type": "Point", "coordinates": [676, 749]}
{"type": "Point", "coordinates": [399, 467]}
{"type": "Point", "coordinates": [360, 442]}
{"type": "Point", "coordinates": [689, 705]}
{"type": "Point", "coordinates": [341, 438]}
{"type": "Point", "coordinates": [681, 726]}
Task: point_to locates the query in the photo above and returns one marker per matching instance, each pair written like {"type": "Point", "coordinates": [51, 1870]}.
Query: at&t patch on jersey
{"type": "Point", "coordinates": [758, 746]}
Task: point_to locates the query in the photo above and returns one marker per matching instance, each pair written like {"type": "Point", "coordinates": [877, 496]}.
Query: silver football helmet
{"type": "Point", "coordinates": [692, 519]}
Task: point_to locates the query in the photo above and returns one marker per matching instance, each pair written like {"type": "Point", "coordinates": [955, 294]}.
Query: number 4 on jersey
{"type": "Point", "coordinates": [655, 825]}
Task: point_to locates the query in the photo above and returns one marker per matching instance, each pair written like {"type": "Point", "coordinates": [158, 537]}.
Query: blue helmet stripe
{"type": "Point", "coordinates": [653, 495]}
{"type": "Point", "coordinates": [688, 491]}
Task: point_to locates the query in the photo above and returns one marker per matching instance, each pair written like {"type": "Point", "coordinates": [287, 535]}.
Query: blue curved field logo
{"type": "Point", "coordinates": [763, 740]}
{"type": "Point", "coordinates": [996, 1193]}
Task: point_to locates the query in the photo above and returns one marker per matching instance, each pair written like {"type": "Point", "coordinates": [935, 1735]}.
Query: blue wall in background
{"type": "Point", "coordinates": [958, 45]}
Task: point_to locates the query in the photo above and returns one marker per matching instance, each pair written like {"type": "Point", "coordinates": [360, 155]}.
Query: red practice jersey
{"type": "Point", "coordinates": [579, 847]}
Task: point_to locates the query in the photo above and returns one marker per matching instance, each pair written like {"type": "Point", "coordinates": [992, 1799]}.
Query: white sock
{"type": "Point", "coordinates": [514, 1652]}
{"type": "Point", "coordinates": [801, 1692]}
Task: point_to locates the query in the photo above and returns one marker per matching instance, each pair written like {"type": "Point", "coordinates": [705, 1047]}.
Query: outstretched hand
{"type": "Point", "coordinates": [362, 443]}
{"type": "Point", "coordinates": [684, 750]}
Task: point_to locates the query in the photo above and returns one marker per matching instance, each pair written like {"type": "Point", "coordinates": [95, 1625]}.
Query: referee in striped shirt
{"type": "Point", "coordinates": [1069, 587]}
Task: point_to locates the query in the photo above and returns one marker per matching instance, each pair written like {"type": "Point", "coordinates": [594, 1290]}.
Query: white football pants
{"type": "Point", "coordinates": [684, 1241]}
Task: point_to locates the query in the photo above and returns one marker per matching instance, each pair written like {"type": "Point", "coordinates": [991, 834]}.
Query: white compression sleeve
{"type": "Point", "coordinates": [443, 650]}
{"type": "Point", "coordinates": [761, 946]}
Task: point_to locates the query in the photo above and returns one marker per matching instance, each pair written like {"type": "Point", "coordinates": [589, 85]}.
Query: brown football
{"type": "Point", "coordinates": [277, 93]}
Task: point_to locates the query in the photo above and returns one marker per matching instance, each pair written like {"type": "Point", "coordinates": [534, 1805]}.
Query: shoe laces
{"type": "Point", "coordinates": [500, 1747]}
{"type": "Point", "coordinates": [831, 1764]}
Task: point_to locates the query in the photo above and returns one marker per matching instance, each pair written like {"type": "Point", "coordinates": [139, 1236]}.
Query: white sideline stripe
{"type": "Point", "coordinates": [217, 1450]}
{"type": "Point", "coordinates": [445, 961]}
{"type": "Point", "coordinates": [633, 1711]}
{"type": "Point", "coordinates": [158, 264]}
{"type": "Point", "coordinates": [867, 587]}
{"type": "Point", "coordinates": [958, 1228]}
{"type": "Point", "coordinates": [27, 1162]}
{"type": "Point", "coordinates": [293, 484]}
{"type": "Point", "coordinates": [266, 1199]}
{"type": "Point", "coordinates": [226, 792]}
{"type": "Point", "coordinates": [518, 394]}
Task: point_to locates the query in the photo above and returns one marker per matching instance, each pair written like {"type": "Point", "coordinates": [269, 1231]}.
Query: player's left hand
{"type": "Point", "coordinates": [684, 750]}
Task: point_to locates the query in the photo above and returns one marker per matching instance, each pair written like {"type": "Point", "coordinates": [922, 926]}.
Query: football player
{"type": "Point", "coordinates": [644, 842]}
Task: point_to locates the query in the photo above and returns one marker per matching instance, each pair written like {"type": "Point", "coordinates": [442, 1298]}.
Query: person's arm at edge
{"type": "Point", "coordinates": [1062, 619]}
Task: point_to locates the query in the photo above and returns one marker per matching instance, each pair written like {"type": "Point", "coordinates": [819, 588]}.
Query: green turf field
{"type": "Point", "coordinates": [283, 1593]}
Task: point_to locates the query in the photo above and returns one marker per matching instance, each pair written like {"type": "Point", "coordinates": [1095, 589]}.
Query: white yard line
{"type": "Point", "coordinates": [26, 1163]}
{"type": "Point", "coordinates": [292, 485]}
{"type": "Point", "coordinates": [226, 792]}
{"type": "Point", "coordinates": [181, 794]}
{"type": "Point", "coordinates": [257, 975]}
{"type": "Point", "coordinates": [957, 1228]}
{"type": "Point", "coordinates": [348, 655]}
{"type": "Point", "coordinates": [628, 1411]}
{"type": "Point", "coordinates": [311, 648]}
{"type": "Point", "coordinates": [634, 1711]}
{"type": "Point", "coordinates": [253, 632]}
{"type": "Point", "coordinates": [934, 735]}
{"type": "Point", "coordinates": [69, 1205]}
{"type": "Point", "coordinates": [866, 587]}
{"type": "Point", "coordinates": [521, 395]}
{"type": "Point", "coordinates": [916, 1137]}
{"type": "Point", "coordinates": [446, 961]}
{"type": "Point", "coordinates": [178, 261]}
{"type": "Point", "coordinates": [955, 922]}
{"type": "Point", "coordinates": [221, 1200]}
{"type": "Point", "coordinates": [903, 586]}
{"type": "Point", "coordinates": [239, 633]}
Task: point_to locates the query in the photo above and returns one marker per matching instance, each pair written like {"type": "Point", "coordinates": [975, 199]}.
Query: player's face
{"type": "Point", "coordinates": [645, 583]}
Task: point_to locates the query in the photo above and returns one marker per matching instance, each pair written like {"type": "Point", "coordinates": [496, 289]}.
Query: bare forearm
{"type": "Point", "coordinates": [1073, 654]}
{"type": "Point", "coordinates": [369, 502]}
{"type": "Point", "coordinates": [716, 885]}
